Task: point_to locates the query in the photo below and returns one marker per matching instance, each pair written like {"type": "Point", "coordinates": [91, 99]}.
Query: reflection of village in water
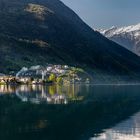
{"type": "Point", "coordinates": [53, 94]}
{"type": "Point", "coordinates": [109, 112]}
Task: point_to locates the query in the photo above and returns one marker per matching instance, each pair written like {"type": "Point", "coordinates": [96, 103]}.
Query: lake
{"type": "Point", "coordinates": [70, 112]}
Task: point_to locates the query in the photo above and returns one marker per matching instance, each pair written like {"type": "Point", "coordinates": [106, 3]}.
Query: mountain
{"type": "Point", "coordinates": [129, 37]}
{"type": "Point", "coordinates": [36, 32]}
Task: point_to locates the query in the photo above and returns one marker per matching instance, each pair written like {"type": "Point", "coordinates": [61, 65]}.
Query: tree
{"type": "Point", "coordinates": [52, 78]}
{"type": "Point", "coordinates": [59, 80]}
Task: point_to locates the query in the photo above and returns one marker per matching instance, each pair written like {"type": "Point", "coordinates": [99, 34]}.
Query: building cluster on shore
{"type": "Point", "coordinates": [42, 75]}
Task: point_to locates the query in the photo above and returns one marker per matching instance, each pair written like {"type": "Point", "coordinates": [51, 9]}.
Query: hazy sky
{"type": "Point", "coordinates": [106, 13]}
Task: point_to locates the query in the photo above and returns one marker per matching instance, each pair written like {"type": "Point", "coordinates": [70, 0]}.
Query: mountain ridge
{"type": "Point", "coordinates": [36, 32]}
{"type": "Point", "coordinates": [127, 36]}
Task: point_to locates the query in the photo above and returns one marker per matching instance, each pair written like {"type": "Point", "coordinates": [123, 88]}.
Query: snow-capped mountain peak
{"type": "Point", "coordinates": [128, 36]}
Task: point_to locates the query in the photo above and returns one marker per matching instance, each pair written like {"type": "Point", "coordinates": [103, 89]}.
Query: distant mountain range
{"type": "Point", "coordinates": [37, 32]}
{"type": "Point", "coordinates": [128, 36]}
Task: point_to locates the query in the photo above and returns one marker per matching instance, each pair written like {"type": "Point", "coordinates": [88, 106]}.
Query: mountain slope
{"type": "Point", "coordinates": [36, 32]}
{"type": "Point", "coordinates": [129, 37]}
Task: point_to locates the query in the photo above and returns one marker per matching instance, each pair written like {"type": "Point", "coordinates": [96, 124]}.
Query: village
{"type": "Point", "coordinates": [50, 74]}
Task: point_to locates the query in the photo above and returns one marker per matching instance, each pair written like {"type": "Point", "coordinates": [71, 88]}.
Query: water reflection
{"type": "Point", "coordinates": [5, 89]}
{"type": "Point", "coordinates": [74, 112]}
{"type": "Point", "coordinates": [54, 94]}
{"type": "Point", "coordinates": [126, 130]}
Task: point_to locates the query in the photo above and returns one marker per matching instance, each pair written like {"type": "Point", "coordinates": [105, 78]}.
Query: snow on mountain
{"type": "Point", "coordinates": [128, 36]}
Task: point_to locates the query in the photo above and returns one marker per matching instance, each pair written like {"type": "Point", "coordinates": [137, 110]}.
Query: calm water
{"type": "Point", "coordinates": [70, 112]}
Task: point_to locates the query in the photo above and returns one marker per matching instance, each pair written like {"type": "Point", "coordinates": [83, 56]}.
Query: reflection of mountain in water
{"type": "Point", "coordinates": [126, 130]}
{"type": "Point", "coordinates": [103, 108]}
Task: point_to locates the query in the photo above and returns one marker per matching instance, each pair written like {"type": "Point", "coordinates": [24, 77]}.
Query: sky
{"type": "Point", "coordinates": [103, 14]}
